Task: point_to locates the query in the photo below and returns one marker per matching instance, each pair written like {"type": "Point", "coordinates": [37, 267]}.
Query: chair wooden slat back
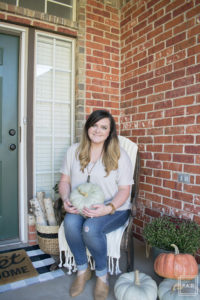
{"type": "Point", "coordinates": [127, 243]}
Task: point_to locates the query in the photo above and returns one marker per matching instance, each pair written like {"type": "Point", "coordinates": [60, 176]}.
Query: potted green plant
{"type": "Point", "coordinates": [167, 230]}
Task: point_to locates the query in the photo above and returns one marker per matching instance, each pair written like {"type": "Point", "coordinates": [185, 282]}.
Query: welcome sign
{"type": "Point", "coordinates": [14, 266]}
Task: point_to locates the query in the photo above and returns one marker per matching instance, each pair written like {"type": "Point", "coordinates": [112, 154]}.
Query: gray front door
{"type": "Point", "coordinates": [9, 210]}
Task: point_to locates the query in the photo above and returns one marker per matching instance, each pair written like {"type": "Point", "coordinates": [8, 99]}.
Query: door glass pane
{"type": "Point", "coordinates": [61, 143]}
{"type": "Point", "coordinates": [45, 51]}
{"type": "Point", "coordinates": [62, 58]}
{"type": "Point", "coordinates": [53, 109]}
{"type": "Point", "coordinates": [44, 183]}
{"type": "Point", "coordinates": [34, 5]}
{"type": "Point", "coordinates": [44, 68]}
{"type": "Point", "coordinates": [12, 2]}
{"type": "Point", "coordinates": [43, 153]}
{"type": "Point", "coordinates": [59, 10]}
{"type": "Point", "coordinates": [61, 119]}
{"type": "Point", "coordinates": [43, 119]}
{"type": "Point", "coordinates": [62, 86]}
{"type": "Point", "coordinates": [44, 88]}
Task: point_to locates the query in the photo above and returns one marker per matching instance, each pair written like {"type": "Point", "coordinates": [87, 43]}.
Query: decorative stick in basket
{"type": "Point", "coordinates": [48, 203]}
{"type": "Point", "coordinates": [40, 197]}
{"type": "Point", "coordinates": [37, 210]}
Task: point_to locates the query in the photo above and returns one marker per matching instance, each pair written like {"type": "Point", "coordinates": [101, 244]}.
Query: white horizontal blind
{"type": "Point", "coordinates": [53, 109]}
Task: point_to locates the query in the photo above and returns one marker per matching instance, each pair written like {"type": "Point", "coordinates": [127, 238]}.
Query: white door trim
{"type": "Point", "coordinates": [22, 32]}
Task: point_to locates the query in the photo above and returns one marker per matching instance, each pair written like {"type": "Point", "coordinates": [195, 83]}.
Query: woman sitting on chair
{"type": "Point", "coordinates": [98, 159]}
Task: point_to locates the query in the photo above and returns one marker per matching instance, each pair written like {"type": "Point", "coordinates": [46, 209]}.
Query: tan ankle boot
{"type": "Point", "coordinates": [79, 283]}
{"type": "Point", "coordinates": [101, 290]}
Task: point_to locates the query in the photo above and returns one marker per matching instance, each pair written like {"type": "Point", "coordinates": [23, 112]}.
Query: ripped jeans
{"type": "Point", "coordinates": [83, 232]}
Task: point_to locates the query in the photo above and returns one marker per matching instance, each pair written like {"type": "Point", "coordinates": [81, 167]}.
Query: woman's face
{"type": "Point", "coordinates": [99, 132]}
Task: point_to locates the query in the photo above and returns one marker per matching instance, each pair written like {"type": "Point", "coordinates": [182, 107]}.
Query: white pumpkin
{"type": "Point", "coordinates": [135, 286]}
{"type": "Point", "coordinates": [172, 289]}
{"type": "Point", "coordinates": [85, 195]}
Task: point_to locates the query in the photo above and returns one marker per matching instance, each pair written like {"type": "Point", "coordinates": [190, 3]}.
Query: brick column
{"type": "Point", "coordinates": [32, 236]}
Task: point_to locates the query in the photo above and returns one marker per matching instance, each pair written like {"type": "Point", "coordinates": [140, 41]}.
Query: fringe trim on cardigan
{"type": "Point", "coordinates": [113, 250]}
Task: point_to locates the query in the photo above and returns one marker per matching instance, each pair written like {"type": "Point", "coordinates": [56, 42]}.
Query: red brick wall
{"type": "Point", "coordinates": [160, 103]}
{"type": "Point", "coordinates": [102, 58]}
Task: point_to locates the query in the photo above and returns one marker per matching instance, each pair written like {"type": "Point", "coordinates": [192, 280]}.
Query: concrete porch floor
{"type": "Point", "coordinates": [58, 289]}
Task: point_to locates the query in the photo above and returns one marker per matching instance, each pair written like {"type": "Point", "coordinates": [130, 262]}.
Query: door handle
{"type": "Point", "coordinates": [12, 132]}
{"type": "Point", "coordinates": [12, 147]}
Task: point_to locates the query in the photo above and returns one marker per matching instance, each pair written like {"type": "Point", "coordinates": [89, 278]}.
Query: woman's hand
{"type": "Point", "coordinates": [97, 210]}
{"type": "Point", "coordinates": [69, 207]}
{"type": "Point", "coordinates": [64, 191]}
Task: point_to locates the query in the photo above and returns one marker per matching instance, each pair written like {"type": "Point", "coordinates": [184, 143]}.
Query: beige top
{"type": "Point", "coordinates": [121, 177]}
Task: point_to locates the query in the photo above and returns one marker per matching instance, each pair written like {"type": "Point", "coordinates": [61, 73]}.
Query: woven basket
{"type": "Point", "coordinates": [48, 239]}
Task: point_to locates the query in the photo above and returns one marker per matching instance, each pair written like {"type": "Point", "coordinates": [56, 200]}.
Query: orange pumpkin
{"type": "Point", "coordinates": [176, 265]}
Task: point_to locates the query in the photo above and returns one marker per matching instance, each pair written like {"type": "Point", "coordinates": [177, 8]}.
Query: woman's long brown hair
{"type": "Point", "coordinates": [111, 149]}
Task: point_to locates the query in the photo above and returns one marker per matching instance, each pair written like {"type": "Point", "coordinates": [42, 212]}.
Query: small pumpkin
{"type": "Point", "coordinates": [135, 286]}
{"type": "Point", "coordinates": [85, 195]}
{"type": "Point", "coordinates": [171, 289]}
{"type": "Point", "coordinates": [176, 265]}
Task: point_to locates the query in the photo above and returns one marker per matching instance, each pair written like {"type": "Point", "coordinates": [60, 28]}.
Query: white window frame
{"type": "Point", "coordinates": [72, 106]}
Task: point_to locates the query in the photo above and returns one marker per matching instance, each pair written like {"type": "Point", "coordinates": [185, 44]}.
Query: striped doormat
{"type": "Point", "coordinates": [42, 263]}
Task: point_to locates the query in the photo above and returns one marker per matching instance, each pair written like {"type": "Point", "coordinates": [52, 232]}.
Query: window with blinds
{"type": "Point", "coordinates": [53, 109]}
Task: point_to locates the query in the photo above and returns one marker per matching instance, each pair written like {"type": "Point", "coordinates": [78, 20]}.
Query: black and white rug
{"type": "Point", "coordinates": [42, 263]}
